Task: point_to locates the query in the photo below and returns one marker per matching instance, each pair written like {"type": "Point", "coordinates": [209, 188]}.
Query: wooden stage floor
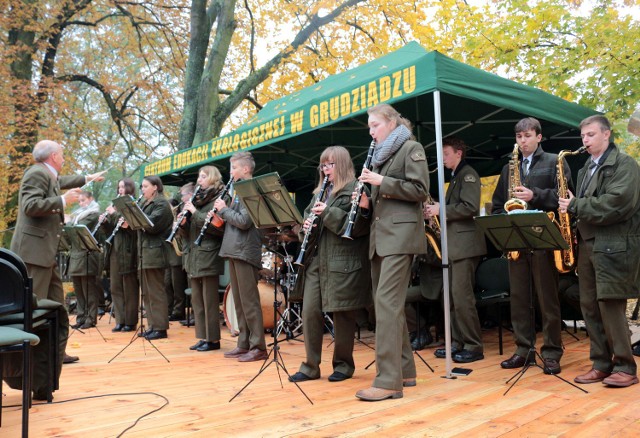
{"type": "Point", "coordinates": [189, 396]}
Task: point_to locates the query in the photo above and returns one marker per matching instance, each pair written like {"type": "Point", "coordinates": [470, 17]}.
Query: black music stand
{"type": "Point", "coordinates": [526, 232]}
{"type": "Point", "coordinates": [137, 220]}
{"type": "Point", "coordinates": [269, 205]}
{"type": "Point", "coordinates": [79, 236]}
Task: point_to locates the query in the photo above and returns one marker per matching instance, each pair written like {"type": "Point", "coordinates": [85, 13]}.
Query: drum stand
{"type": "Point", "coordinates": [290, 320]}
{"type": "Point", "coordinates": [274, 355]}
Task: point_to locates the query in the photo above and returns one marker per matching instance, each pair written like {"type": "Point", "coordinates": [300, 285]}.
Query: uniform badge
{"type": "Point", "coordinates": [418, 156]}
{"type": "Point", "coordinates": [469, 178]}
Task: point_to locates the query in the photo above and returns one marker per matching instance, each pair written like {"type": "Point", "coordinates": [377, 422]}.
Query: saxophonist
{"type": "Point", "coordinates": [538, 189]}
{"type": "Point", "coordinates": [607, 209]}
{"type": "Point", "coordinates": [466, 246]}
{"type": "Point", "coordinates": [337, 278]}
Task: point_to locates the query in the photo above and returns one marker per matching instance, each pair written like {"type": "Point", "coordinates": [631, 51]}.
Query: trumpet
{"type": "Point", "coordinates": [213, 211]}
{"type": "Point", "coordinates": [312, 217]}
{"type": "Point", "coordinates": [355, 202]}
{"type": "Point", "coordinates": [119, 224]}
{"type": "Point", "coordinates": [184, 214]}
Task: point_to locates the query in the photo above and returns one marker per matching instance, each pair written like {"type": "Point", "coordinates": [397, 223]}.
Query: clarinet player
{"type": "Point", "coordinates": [337, 275]}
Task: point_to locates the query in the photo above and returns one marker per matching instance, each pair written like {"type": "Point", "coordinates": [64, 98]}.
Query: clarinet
{"type": "Point", "coordinates": [119, 224]}
{"type": "Point", "coordinates": [355, 202]}
{"type": "Point", "coordinates": [312, 217]}
{"type": "Point", "coordinates": [184, 214]}
{"type": "Point", "coordinates": [101, 219]}
{"type": "Point", "coordinates": [213, 211]}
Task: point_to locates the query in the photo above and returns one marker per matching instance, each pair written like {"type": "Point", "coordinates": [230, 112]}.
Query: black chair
{"type": "Point", "coordinates": [492, 288]}
{"type": "Point", "coordinates": [44, 317]}
{"type": "Point", "coordinates": [16, 298]}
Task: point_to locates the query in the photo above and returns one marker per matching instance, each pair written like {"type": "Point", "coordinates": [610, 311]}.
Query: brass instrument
{"type": "Point", "coordinates": [514, 203]}
{"type": "Point", "coordinates": [312, 217]}
{"type": "Point", "coordinates": [355, 202]}
{"type": "Point", "coordinates": [184, 214]}
{"type": "Point", "coordinates": [213, 211]}
{"type": "Point", "coordinates": [565, 260]}
{"type": "Point", "coordinates": [119, 224]}
{"type": "Point", "coordinates": [432, 230]}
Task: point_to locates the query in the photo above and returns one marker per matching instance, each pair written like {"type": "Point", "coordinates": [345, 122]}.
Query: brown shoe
{"type": "Point", "coordinates": [253, 355]}
{"type": "Point", "coordinates": [70, 359]}
{"type": "Point", "coordinates": [409, 382]}
{"type": "Point", "coordinates": [551, 366]}
{"type": "Point", "coordinates": [377, 394]}
{"type": "Point", "coordinates": [235, 353]}
{"type": "Point", "coordinates": [620, 379]}
{"type": "Point", "coordinates": [593, 376]}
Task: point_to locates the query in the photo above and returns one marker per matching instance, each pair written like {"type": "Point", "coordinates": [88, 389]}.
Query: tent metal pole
{"type": "Point", "coordinates": [443, 233]}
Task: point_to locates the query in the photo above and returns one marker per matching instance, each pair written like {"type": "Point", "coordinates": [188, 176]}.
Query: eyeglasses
{"type": "Point", "coordinates": [327, 166]}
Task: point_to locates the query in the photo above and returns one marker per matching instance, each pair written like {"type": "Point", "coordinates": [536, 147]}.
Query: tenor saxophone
{"type": "Point", "coordinates": [432, 230]}
{"type": "Point", "coordinates": [565, 259]}
{"type": "Point", "coordinates": [513, 203]}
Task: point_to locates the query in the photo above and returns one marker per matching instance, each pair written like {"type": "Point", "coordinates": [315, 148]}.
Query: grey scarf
{"type": "Point", "coordinates": [391, 144]}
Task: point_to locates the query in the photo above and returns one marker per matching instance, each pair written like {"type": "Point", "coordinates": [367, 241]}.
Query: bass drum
{"type": "Point", "coordinates": [265, 290]}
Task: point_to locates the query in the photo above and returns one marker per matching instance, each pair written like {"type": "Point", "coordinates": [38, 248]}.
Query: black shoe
{"type": "Point", "coordinates": [145, 333]}
{"type": "Point", "coordinates": [467, 356]}
{"type": "Point", "coordinates": [176, 317]}
{"type": "Point", "coordinates": [337, 376]}
{"type": "Point", "coordinates": [190, 322]}
{"type": "Point", "coordinates": [301, 377]}
{"type": "Point", "coordinates": [129, 328]}
{"type": "Point", "coordinates": [636, 350]}
{"type": "Point", "coordinates": [421, 340]}
{"type": "Point", "coordinates": [156, 334]}
{"type": "Point", "coordinates": [100, 311]}
{"type": "Point", "coordinates": [551, 366]}
{"type": "Point", "coordinates": [441, 353]}
{"type": "Point", "coordinates": [209, 346]}
{"type": "Point", "coordinates": [76, 325]}
{"type": "Point", "coordinates": [117, 328]}
{"type": "Point", "coordinates": [198, 344]}
{"type": "Point", "coordinates": [515, 361]}
{"type": "Point", "coordinates": [87, 325]}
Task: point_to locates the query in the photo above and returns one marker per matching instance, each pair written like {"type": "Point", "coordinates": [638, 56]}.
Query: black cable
{"type": "Point", "coordinates": [166, 400]}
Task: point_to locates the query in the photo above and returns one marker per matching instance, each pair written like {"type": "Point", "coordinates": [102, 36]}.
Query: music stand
{"type": "Point", "coordinates": [137, 220]}
{"type": "Point", "coordinates": [527, 232]}
{"type": "Point", "coordinates": [269, 205]}
{"type": "Point", "coordinates": [79, 236]}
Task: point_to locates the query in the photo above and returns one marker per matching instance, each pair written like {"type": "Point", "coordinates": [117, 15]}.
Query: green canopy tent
{"type": "Point", "coordinates": [289, 134]}
{"type": "Point", "coordinates": [439, 95]}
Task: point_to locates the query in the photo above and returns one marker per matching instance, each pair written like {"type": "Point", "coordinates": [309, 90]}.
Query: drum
{"type": "Point", "coordinates": [268, 265]}
{"type": "Point", "coordinates": [266, 303]}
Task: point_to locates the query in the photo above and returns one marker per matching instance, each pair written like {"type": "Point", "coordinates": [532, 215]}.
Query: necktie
{"type": "Point", "coordinates": [587, 180]}
{"type": "Point", "coordinates": [525, 167]}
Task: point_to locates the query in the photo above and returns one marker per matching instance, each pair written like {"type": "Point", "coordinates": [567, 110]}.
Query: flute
{"type": "Point", "coordinates": [355, 202]}
{"type": "Point", "coordinates": [213, 211]}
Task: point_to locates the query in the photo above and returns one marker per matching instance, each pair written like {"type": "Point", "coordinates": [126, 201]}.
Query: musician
{"type": "Point", "coordinates": [242, 246]}
{"type": "Point", "coordinates": [607, 210]}
{"type": "Point", "coordinates": [337, 274]}
{"type": "Point", "coordinates": [84, 265]}
{"type": "Point", "coordinates": [122, 258]}
{"type": "Point", "coordinates": [538, 189]}
{"type": "Point", "coordinates": [41, 218]}
{"type": "Point", "coordinates": [203, 263]}
{"type": "Point", "coordinates": [175, 277]}
{"type": "Point", "coordinates": [400, 183]}
{"type": "Point", "coordinates": [466, 248]}
{"type": "Point", "coordinates": [152, 249]}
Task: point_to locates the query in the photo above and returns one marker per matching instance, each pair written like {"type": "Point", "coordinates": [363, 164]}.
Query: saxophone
{"type": "Point", "coordinates": [432, 229]}
{"type": "Point", "coordinates": [513, 203]}
{"type": "Point", "coordinates": [565, 260]}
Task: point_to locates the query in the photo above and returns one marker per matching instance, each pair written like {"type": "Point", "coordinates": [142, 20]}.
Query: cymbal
{"type": "Point", "coordinates": [281, 237]}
